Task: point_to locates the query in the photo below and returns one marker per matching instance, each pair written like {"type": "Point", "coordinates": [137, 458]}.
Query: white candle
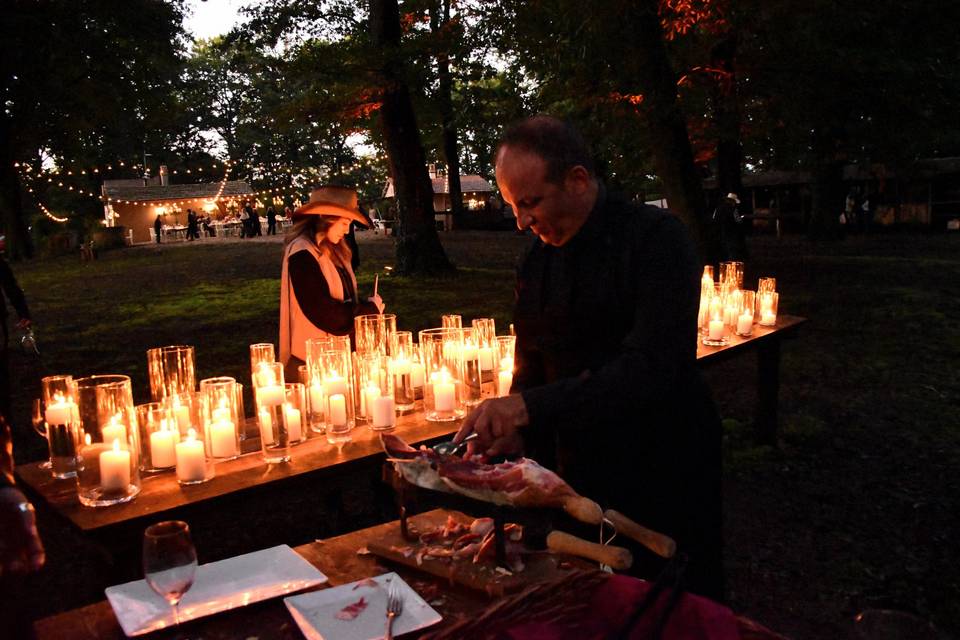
{"type": "Point", "coordinates": [222, 413]}
{"type": "Point", "coordinates": [270, 396]}
{"type": "Point", "coordinates": [293, 422]}
{"type": "Point", "coordinates": [383, 412]}
{"type": "Point", "coordinates": [114, 430]}
{"type": "Point", "coordinates": [451, 351]}
{"type": "Point", "coordinates": [768, 318]}
{"type": "Point", "coordinates": [266, 426]}
{"type": "Point", "coordinates": [191, 461]}
{"type": "Point", "coordinates": [745, 324]}
{"type": "Point", "coordinates": [338, 410]}
{"type": "Point", "coordinates": [265, 377]}
{"type": "Point", "coordinates": [182, 415]}
{"type": "Point", "coordinates": [504, 382]}
{"type": "Point", "coordinates": [730, 316]}
{"type": "Point", "coordinates": [370, 393]}
{"type": "Point", "coordinates": [716, 329]}
{"type": "Point", "coordinates": [506, 363]}
{"type": "Point", "coordinates": [316, 398]}
{"type": "Point", "coordinates": [399, 366]}
{"type": "Point", "coordinates": [469, 351]}
{"type": "Point", "coordinates": [444, 392]}
{"type": "Point", "coordinates": [417, 374]}
{"type": "Point", "coordinates": [486, 358]}
{"type": "Point", "coordinates": [335, 385]}
{"type": "Point", "coordinates": [115, 468]}
{"type": "Point", "coordinates": [162, 453]}
{"type": "Point", "coordinates": [60, 411]}
{"type": "Point", "coordinates": [223, 439]}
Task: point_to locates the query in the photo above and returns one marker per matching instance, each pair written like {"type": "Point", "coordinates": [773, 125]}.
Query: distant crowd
{"type": "Point", "coordinates": [248, 219]}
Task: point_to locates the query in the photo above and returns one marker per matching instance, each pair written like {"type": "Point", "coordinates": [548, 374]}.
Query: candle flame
{"type": "Point", "coordinates": [88, 439]}
{"type": "Point", "coordinates": [116, 444]}
{"type": "Point", "coordinates": [58, 397]}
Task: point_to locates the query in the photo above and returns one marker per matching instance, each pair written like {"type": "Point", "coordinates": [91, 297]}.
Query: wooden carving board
{"type": "Point", "coordinates": [483, 576]}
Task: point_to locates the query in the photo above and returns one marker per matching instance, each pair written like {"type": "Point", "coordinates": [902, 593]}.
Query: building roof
{"type": "Point", "coordinates": [468, 184]}
{"type": "Point", "coordinates": [154, 193]}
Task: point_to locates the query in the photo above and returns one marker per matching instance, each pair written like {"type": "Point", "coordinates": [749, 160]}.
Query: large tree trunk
{"type": "Point", "coordinates": [672, 153]}
{"type": "Point", "coordinates": [418, 246]}
{"type": "Point", "coordinates": [18, 243]}
{"type": "Point", "coordinates": [441, 26]}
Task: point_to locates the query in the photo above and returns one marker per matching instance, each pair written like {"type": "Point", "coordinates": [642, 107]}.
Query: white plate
{"type": "Point", "coordinates": [218, 586]}
{"type": "Point", "coordinates": [316, 612]}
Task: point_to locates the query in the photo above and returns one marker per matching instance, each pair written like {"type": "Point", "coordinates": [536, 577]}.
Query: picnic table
{"type": "Point", "coordinates": [339, 560]}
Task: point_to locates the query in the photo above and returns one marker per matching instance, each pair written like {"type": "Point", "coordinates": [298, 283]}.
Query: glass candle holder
{"type": "Point", "coordinates": [485, 333]}
{"type": "Point", "coordinates": [158, 437]}
{"type": "Point", "coordinates": [313, 390]}
{"type": "Point", "coordinates": [374, 333]}
{"type": "Point", "coordinates": [441, 351]}
{"type": "Point", "coordinates": [472, 376]}
{"type": "Point", "coordinates": [270, 397]}
{"type": "Point", "coordinates": [715, 334]}
{"type": "Point", "coordinates": [732, 302]}
{"type": "Point", "coordinates": [506, 348]}
{"type": "Point", "coordinates": [400, 367]}
{"type": "Point", "coordinates": [295, 412]}
{"type": "Point", "coordinates": [766, 285]}
{"type": "Point", "coordinates": [731, 274]}
{"type": "Point", "coordinates": [744, 327]}
{"type": "Point", "coordinates": [334, 368]}
{"type": "Point", "coordinates": [417, 372]}
{"type": "Point", "coordinates": [184, 412]}
{"type": "Point", "coordinates": [107, 473]}
{"type": "Point", "coordinates": [451, 321]}
{"type": "Point", "coordinates": [261, 352]}
{"type": "Point", "coordinates": [767, 303]}
{"type": "Point", "coordinates": [171, 370]}
{"type": "Point", "coordinates": [220, 417]}
{"type": "Point", "coordinates": [376, 402]}
{"type": "Point", "coordinates": [194, 462]}
{"type": "Point", "coordinates": [60, 419]}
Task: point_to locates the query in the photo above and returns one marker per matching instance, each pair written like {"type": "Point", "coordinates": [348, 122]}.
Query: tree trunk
{"type": "Point", "coordinates": [451, 153]}
{"type": "Point", "coordinates": [672, 153]}
{"type": "Point", "coordinates": [18, 243]}
{"type": "Point", "coordinates": [418, 246]}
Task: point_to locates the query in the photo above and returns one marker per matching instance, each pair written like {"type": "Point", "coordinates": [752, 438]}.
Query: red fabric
{"type": "Point", "coordinates": [693, 617]}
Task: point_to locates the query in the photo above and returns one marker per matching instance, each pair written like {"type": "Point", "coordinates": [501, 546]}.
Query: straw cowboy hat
{"type": "Point", "coordinates": [333, 201]}
{"type": "Point", "coordinates": [733, 197]}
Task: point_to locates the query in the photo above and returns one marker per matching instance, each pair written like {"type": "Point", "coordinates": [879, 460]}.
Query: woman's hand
{"type": "Point", "coordinates": [377, 302]}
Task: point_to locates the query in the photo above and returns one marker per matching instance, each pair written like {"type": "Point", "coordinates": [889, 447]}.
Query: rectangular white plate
{"type": "Point", "coordinates": [218, 586]}
{"type": "Point", "coordinates": [316, 612]}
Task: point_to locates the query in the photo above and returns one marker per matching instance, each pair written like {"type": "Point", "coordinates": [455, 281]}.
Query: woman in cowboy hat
{"type": "Point", "coordinates": [318, 290]}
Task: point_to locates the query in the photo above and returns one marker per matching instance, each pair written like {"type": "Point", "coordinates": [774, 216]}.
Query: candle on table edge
{"type": "Point", "coordinates": [417, 374]}
{"type": "Point", "coordinates": [191, 460]}
{"type": "Point", "coordinates": [338, 410]}
{"type": "Point", "coordinates": [444, 392]}
{"type": "Point", "coordinates": [716, 330]}
{"type": "Point", "coordinates": [223, 439]}
{"type": "Point", "coordinates": [504, 382]}
{"type": "Point", "coordinates": [162, 452]}
{"type": "Point", "coordinates": [115, 468]}
{"type": "Point", "coordinates": [486, 358]}
{"type": "Point", "coordinates": [383, 412]}
{"type": "Point", "coordinates": [745, 324]}
{"type": "Point", "coordinates": [292, 415]}
{"type": "Point", "coordinates": [60, 411]}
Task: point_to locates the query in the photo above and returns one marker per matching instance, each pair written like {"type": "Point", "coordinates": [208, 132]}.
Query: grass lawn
{"type": "Point", "coordinates": [858, 507]}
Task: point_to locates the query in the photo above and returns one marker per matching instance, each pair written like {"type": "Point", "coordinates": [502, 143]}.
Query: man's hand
{"type": "Point", "coordinates": [497, 422]}
{"type": "Point", "coordinates": [20, 547]}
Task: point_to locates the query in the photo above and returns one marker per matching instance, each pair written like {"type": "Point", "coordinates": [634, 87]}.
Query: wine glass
{"type": "Point", "coordinates": [169, 561]}
{"type": "Point", "coordinates": [36, 417]}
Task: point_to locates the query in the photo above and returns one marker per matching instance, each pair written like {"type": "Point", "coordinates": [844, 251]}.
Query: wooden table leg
{"type": "Point", "coordinates": [768, 390]}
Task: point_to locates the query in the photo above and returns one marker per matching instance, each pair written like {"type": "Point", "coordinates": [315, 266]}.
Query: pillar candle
{"type": "Point", "coordinates": [191, 460]}
{"type": "Point", "coordinates": [417, 375]}
{"type": "Point", "coordinates": [162, 454]}
{"type": "Point", "coordinates": [222, 413]}
{"type": "Point", "coordinates": [745, 324]}
{"type": "Point", "coordinates": [223, 439]}
{"type": "Point", "coordinates": [115, 468]}
{"type": "Point", "coordinates": [338, 410]}
{"type": "Point", "coordinates": [444, 392]}
{"type": "Point", "coordinates": [270, 396]}
{"type": "Point", "coordinates": [768, 318]}
{"type": "Point", "coordinates": [716, 329]}
{"type": "Point", "coordinates": [60, 410]}
{"type": "Point", "coordinates": [335, 385]}
{"type": "Point", "coordinates": [383, 412]}
{"type": "Point", "coordinates": [469, 351]}
{"type": "Point", "coordinates": [292, 415]}
{"type": "Point", "coordinates": [504, 382]}
{"type": "Point", "coordinates": [399, 366]}
{"type": "Point", "coordinates": [114, 430]}
{"type": "Point", "coordinates": [486, 358]}
{"type": "Point", "coordinates": [266, 426]}
{"type": "Point", "coordinates": [265, 377]}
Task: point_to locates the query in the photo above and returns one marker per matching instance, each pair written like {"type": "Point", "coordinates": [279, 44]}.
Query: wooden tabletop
{"type": "Point", "coordinates": [336, 557]}
{"type": "Point", "coordinates": [161, 492]}
{"type": "Point", "coordinates": [786, 326]}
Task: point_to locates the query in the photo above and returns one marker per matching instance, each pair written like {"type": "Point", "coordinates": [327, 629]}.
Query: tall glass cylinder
{"type": "Point", "coordinates": [261, 352]}
{"type": "Point", "coordinates": [270, 397]}
{"type": "Point", "coordinates": [485, 333]}
{"type": "Point", "coordinates": [441, 350]}
{"type": "Point", "coordinates": [334, 370]}
{"type": "Point", "coordinates": [472, 375]}
{"type": "Point", "coordinates": [506, 348]}
{"type": "Point", "coordinates": [159, 436]}
{"type": "Point", "coordinates": [171, 370]}
{"type": "Point", "coordinates": [731, 274]}
{"type": "Point", "coordinates": [184, 411]}
{"type": "Point", "coordinates": [374, 333]}
{"type": "Point", "coordinates": [220, 417]}
{"type": "Point", "coordinates": [767, 302]}
{"type": "Point", "coordinates": [715, 333]}
{"type": "Point", "coordinates": [744, 326]}
{"type": "Point", "coordinates": [108, 464]}
{"type": "Point", "coordinates": [313, 389]}
{"type": "Point", "coordinates": [766, 285]}
{"type": "Point", "coordinates": [401, 365]}
{"type": "Point", "coordinates": [295, 412]}
{"type": "Point", "coordinates": [61, 419]}
{"type": "Point", "coordinates": [451, 321]}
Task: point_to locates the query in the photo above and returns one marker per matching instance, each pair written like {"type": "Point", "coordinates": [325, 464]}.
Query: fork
{"type": "Point", "coordinates": [394, 607]}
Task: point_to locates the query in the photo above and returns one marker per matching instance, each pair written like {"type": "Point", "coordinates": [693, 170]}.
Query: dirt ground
{"type": "Point", "coordinates": [856, 508]}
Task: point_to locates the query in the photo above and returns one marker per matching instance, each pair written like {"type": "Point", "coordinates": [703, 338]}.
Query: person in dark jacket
{"type": "Point", "coordinates": [606, 389]}
{"type": "Point", "coordinates": [727, 217]}
{"type": "Point", "coordinates": [158, 228]}
{"type": "Point", "coordinates": [14, 295]}
{"type": "Point", "coordinates": [271, 221]}
{"type": "Point", "coordinates": [193, 227]}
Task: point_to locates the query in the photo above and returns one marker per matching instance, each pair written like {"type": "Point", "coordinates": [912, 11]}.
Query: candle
{"type": "Point", "coordinates": [338, 410]}
{"type": "Point", "coordinates": [114, 430]}
{"type": "Point", "coordinates": [504, 382]}
{"type": "Point", "coordinates": [417, 375]}
{"type": "Point", "coordinates": [444, 391]}
{"type": "Point", "coordinates": [486, 358]}
{"type": "Point", "coordinates": [383, 412]}
{"type": "Point", "coordinates": [316, 398]}
{"type": "Point", "coordinates": [370, 393]}
{"type": "Point", "coordinates": [182, 414]}
{"type": "Point", "coordinates": [399, 366]}
{"type": "Point", "coordinates": [223, 439]}
{"type": "Point", "coordinates": [162, 443]}
{"type": "Point", "coordinates": [115, 468]}
{"type": "Point", "coordinates": [745, 323]}
{"type": "Point", "coordinates": [469, 351]}
{"type": "Point", "coordinates": [451, 351]}
{"type": "Point", "coordinates": [716, 330]}
{"type": "Point", "coordinates": [768, 318]}
{"type": "Point", "coordinates": [191, 461]}
{"type": "Point", "coordinates": [60, 411]}
{"type": "Point", "coordinates": [293, 422]}
{"type": "Point", "coordinates": [266, 426]}
{"type": "Point", "coordinates": [222, 413]}
{"type": "Point", "coordinates": [270, 396]}
{"type": "Point", "coordinates": [334, 384]}
{"type": "Point", "coordinates": [730, 316]}
{"type": "Point", "coordinates": [265, 377]}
